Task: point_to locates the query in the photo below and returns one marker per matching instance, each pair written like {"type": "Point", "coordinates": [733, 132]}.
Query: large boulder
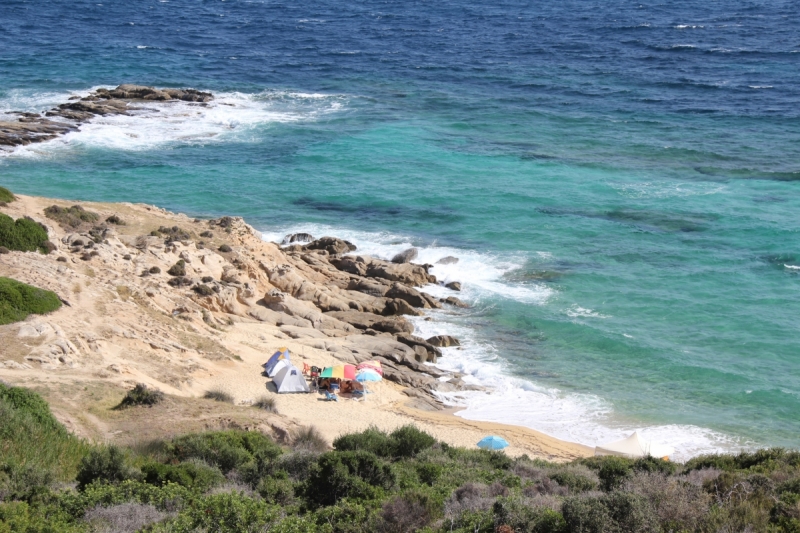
{"type": "Point", "coordinates": [332, 245]}
{"type": "Point", "coordinates": [406, 256]}
{"type": "Point", "coordinates": [286, 303]}
{"type": "Point", "coordinates": [443, 341]}
{"type": "Point", "coordinates": [428, 351]}
{"type": "Point", "coordinates": [452, 300]}
{"type": "Point", "coordinates": [297, 237]}
{"type": "Point", "coordinates": [454, 286]}
{"type": "Point", "coordinates": [396, 307]}
{"type": "Point", "coordinates": [412, 296]}
{"type": "Point", "coordinates": [449, 260]}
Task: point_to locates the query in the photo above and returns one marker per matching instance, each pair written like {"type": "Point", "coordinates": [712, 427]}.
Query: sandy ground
{"type": "Point", "coordinates": [121, 329]}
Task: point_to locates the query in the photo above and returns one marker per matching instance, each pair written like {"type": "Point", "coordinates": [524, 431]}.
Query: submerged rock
{"type": "Point", "coordinates": [443, 341]}
{"type": "Point", "coordinates": [454, 286]}
{"type": "Point", "coordinates": [297, 237]}
{"type": "Point", "coordinates": [449, 260]}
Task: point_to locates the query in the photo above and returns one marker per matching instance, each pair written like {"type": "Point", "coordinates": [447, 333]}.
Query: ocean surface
{"type": "Point", "coordinates": [620, 180]}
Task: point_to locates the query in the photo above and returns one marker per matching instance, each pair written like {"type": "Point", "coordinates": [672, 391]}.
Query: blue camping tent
{"type": "Point", "coordinates": [282, 353]}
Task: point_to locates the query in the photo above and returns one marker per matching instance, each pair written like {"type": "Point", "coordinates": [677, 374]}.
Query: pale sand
{"type": "Point", "coordinates": [121, 329]}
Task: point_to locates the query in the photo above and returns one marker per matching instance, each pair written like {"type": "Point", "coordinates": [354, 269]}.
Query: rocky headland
{"type": "Point", "coordinates": [185, 305]}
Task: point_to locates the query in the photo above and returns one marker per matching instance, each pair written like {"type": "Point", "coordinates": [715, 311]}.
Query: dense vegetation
{"type": "Point", "coordinates": [232, 481]}
{"type": "Point", "coordinates": [18, 300]}
{"type": "Point", "coordinates": [23, 235]}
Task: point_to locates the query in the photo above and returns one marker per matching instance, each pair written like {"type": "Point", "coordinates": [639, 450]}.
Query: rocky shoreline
{"type": "Point", "coordinates": [125, 99]}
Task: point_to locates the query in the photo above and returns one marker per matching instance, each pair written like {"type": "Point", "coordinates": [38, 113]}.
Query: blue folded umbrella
{"type": "Point", "coordinates": [368, 375]}
{"type": "Point", "coordinates": [492, 442]}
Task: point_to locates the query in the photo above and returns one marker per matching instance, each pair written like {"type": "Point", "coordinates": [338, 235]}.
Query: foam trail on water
{"type": "Point", "coordinates": [582, 418]}
{"type": "Point", "coordinates": [229, 117]}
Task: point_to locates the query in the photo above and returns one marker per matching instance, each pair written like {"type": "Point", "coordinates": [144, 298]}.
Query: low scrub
{"type": "Point", "coordinates": [18, 300]}
{"type": "Point", "coordinates": [23, 235]}
{"type": "Point", "coordinates": [373, 481]}
{"type": "Point", "coordinates": [267, 403]}
{"type": "Point", "coordinates": [71, 217]}
{"type": "Point", "coordinates": [309, 438]}
{"type": "Point", "coordinates": [218, 396]}
{"type": "Point", "coordinates": [141, 395]}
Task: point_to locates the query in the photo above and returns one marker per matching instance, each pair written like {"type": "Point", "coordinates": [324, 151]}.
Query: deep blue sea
{"type": "Point", "coordinates": [620, 180]}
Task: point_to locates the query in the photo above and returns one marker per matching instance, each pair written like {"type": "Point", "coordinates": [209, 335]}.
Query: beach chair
{"type": "Point", "coordinates": [329, 397]}
{"type": "Point", "coordinates": [306, 369]}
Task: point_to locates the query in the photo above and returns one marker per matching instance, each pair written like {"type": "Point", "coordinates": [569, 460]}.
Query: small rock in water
{"type": "Point", "coordinates": [406, 256]}
{"type": "Point", "coordinates": [297, 237]}
{"type": "Point", "coordinates": [454, 286]}
{"type": "Point", "coordinates": [449, 260]}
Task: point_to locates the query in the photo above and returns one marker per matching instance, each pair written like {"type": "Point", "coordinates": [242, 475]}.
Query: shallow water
{"type": "Point", "coordinates": [618, 179]}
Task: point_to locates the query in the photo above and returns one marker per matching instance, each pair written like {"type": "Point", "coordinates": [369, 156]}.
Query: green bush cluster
{"type": "Point", "coordinates": [70, 217]}
{"type": "Point", "coordinates": [141, 395]}
{"type": "Point", "coordinates": [23, 235]}
{"type": "Point", "coordinates": [373, 481]}
{"type": "Point", "coordinates": [18, 300]}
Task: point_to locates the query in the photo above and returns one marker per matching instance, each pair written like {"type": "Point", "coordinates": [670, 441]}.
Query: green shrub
{"type": "Point", "coordinates": [32, 440]}
{"type": "Point", "coordinates": [107, 464]}
{"type": "Point", "coordinates": [23, 482]}
{"type": "Point", "coordinates": [371, 440]}
{"type": "Point", "coordinates": [429, 473]}
{"type": "Point", "coordinates": [23, 235]}
{"type": "Point", "coordinates": [226, 450]}
{"type": "Point", "coordinates": [70, 217]}
{"type": "Point", "coordinates": [18, 300]}
{"type": "Point", "coordinates": [611, 470]}
{"type": "Point", "coordinates": [764, 460]}
{"type": "Point", "coordinates": [225, 248]}
{"type": "Point", "coordinates": [20, 517]}
{"type": "Point", "coordinates": [178, 269]}
{"type": "Point", "coordinates": [408, 441]}
{"type": "Point", "coordinates": [203, 290]}
{"type": "Point", "coordinates": [230, 512]}
{"type": "Point", "coordinates": [141, 395]}
{"type": "Point", "coordinates": [275, 489]}
{"type": "Point", "coordinates": [573, 480]}
{"type": "Point", "coordinates": [115, 219]}
{"type": "Point", "coordinates": [192, 474]}
{"type": "Point", "coordinates": [616, 511]}
{"type": "Point", "coordinates": [520, 515]}
{"type": "Point", "coordinates": [6, 195]}
{"type": "Point", "coordinates": [358, 475]}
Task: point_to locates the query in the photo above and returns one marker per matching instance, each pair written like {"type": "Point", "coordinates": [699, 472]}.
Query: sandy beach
{"type": "Point", "coordinates": [120, 327]}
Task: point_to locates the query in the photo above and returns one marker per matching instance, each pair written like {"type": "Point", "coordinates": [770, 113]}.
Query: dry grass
{"type": "Point", "coordinates": [266, 403]}
{"type": "Point", "coordinates": [218, 395]}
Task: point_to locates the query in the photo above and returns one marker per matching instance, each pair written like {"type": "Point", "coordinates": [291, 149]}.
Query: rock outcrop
{"type": "Point", "coordinates": [37, 127]}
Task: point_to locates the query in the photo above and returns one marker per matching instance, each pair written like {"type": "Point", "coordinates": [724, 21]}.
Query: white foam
{"type": "Point", "coordinates": [582, 418]}
{"type": "Point", "coordinates": [792, 267]}
{"type": "Point", "coordinates": [761, 86]}
{"type": "Point", "coordinates": [230, 116]}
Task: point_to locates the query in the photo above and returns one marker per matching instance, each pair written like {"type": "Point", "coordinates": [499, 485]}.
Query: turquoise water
{"type": "Point", "coordinates": [619, 182]}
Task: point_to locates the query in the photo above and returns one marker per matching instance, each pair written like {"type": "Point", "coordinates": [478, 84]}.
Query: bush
{"type": "Point", "coordinates": [371, 440]}
{"type": "Point", "coordinates": [18, 300]}
{"type": "Point", "coordinates": [179, 281]}
{"type": "Point", "coordinates": [207, 234]}
{"type": "Point", "coordinates": [194, 474]}
{"type": "Point", "coordinates": [309, 438]}
{"type": "Point", "coordinates": [141, 395]}
{"type": "Point", "coordinates": [429, 473]}
{"type": "Point", "coordinates": [70, 217]}
{"type": "Point", "coordinates": [203, 290]}
{"type": "Point", "coordinates": [115, 219]}
{"type": "Point", "coordinates": [172, 234]}
{"type": "Point", "coordinates": [408, 441]}
{"type": "Point", "coordinates": [23, 482]}
{"type": "Point", "coordinates": [22, 235]}
{"type": "Point", "coordinates": [6, 195]}
{"type": "Point", "coordinates": [225, 248]}
{"type": "Point", "coordinates": [611, 470]}
{"type": "Point", "coordinates": [226, 450]}
{"type": "Point", "coordinates": [105, 465]}
{"type": "Point", "coordinates": [404, 514]}
{"type": "Point", "coordinates": [278, 490]}
{"type": "Point", "coordinates": [218, 396]}
{"type": "Point", "coordinates": [178, 269]}
{"type": "Point", "coordinates": [357, 475]}
{"type": "Point", "coordinates": [207, 279]}
{"type": "Point", "coordinates": [298, 465]}
{"type": "Point", "coordinates": [575, 479]}
{"type": "Point", "coordinates": [230, 512]}
{"type": "Point", "coordinates": [616, 511]}
{"type": "Point", "coordinates": [154, 270]}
